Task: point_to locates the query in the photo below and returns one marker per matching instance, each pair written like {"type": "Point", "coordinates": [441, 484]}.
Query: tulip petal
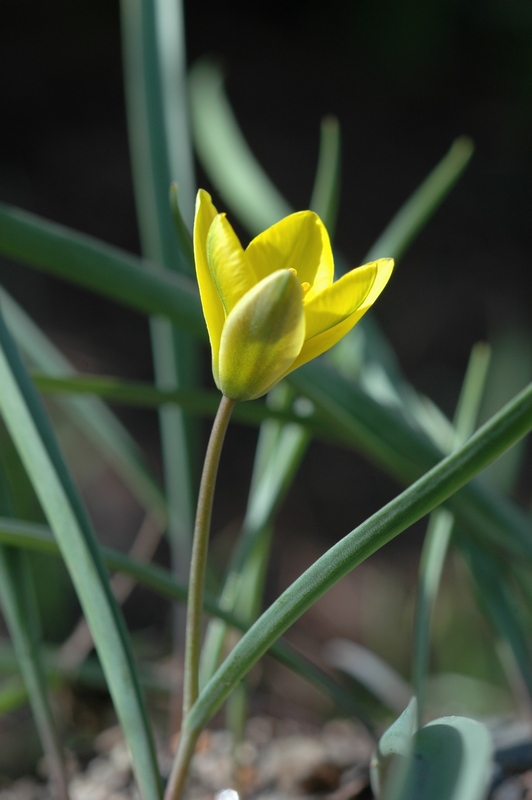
{"type": "Point", "coordinates": [231, 273]}
{"type": "Point", "coordinates": [262, 336]}
{"type": "Point", "coordinates": [212, 306]}
{"type": "Point", "coordinates": [331, 316]}
{"type": "Point", "coordinates": [299, 241]}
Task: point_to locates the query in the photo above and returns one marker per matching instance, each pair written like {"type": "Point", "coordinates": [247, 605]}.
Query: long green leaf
{"type": "Point", "coordinates": [377, 430]}
{"type": "Point", "coordinates": [194, 401]}
{"type": "Point", "coordinates": [100, 267]}
{"type": "Point", "coordinates": [20, 612]}
{"type": "Point", "coordinates": [153, 45]}
{"type": "Point", "coordinates": [498, 600]}
{"type": "Point", "coordinates": [326, 190]}
{"type": "Point", "coordinates": [226, 156]}
{"type": "Point", "coordinates": [381, 433]}
{"type": "Point", "coordinates": [38, 450]}
{"type": "Point", "coordinates": [36, 537]}
{"type": "Point", "coordinates": [88, 414]}
{"type": "Point", "coordinates": [434, 488]}
{"type": "Point", "coordinates": [441, 523]}
{"type": "Point", "coordinates": [413, 215]}
{"type": "Point", "coordinates": [450, 759]}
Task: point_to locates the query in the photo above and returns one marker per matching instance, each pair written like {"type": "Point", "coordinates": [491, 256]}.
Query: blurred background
{"type": "Point", "coordinates": [404, 79]}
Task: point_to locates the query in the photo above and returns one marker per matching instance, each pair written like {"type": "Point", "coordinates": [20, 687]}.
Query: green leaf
{"type": "Point", "coordinates": [226, 156]}
{"type": "Point", "coordinates": [420, 206]}
{"type": "Point", "coordinates": [396, 741]}
{"type": "Point", "coordinates": [37, 537]}
{"type": "Point", "coordinates": [326, 190]}
{"type": "Point", "coordinates": [38, 450]}
{"type": "Point", "coordinates": [498, 600]}
{"type": "Point", "coordinates": [383, 435]}
{"type": "Point", "coordinates": [153, 45]}
{"type": "Point", "coordinates": [89, 415]}
{"type": "Point", "coordinates": [100, 267]}
{"type": "Point", "coordinates": [441, 523]}
{"type": "Point", "coordinates": [450, 760]}
{"type": "Point", "coordinates": [434, 488]}
{"type": "Point", "coordinates": [20, 613]}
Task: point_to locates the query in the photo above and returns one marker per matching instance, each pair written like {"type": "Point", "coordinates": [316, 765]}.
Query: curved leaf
{"type": "Point", "coordinates": [34, 439]}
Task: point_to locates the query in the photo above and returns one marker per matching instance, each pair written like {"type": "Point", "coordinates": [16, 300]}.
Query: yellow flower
{"type": "Point", "coordinates": [272, 307]}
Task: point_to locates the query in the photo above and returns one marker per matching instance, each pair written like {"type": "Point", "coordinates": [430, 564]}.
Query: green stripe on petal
{"type": "Point", "coordinates": [299, 242]}
{"type": "Point", "coordinates": [262, 336]}
{"type": "Point", "coordinates": [228, 264]}
{"type": "Point", "coordinates": [210, 301]}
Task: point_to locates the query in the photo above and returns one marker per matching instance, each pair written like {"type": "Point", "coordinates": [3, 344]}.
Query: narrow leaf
{"type": "Point", "coordinates": [226, 156]}
{"type": "Point", "coordinates": [37, 537]}
{"type": "Point", "coordinates": [420, 206]}
{"type": "Point", "coordinates": [100, 267]}
{"type": "Point", "coordinates": [326, 190]}
{"type": "Point", "coordinates": [38, 450]}
{"type": "Point", "coordinates": [434, 488]}
{"type": "Point", "coordinates": [89, 415]}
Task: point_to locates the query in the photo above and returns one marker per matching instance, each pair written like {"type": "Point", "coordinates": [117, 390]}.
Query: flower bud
{"type": "Point", "coordinates": [262, 335]}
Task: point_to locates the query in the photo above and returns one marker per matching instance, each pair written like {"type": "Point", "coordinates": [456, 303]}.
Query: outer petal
{"type": "Point", "coordinates": [299, 242]}
{"type": "Point", "coordinates": [210, 301]}
{"type": "Point", "coordinates": [262, 336]}
{"type": "Point", "coordinates": [342, 306]}
{"type": "Point", "coordinates": [228, 264]}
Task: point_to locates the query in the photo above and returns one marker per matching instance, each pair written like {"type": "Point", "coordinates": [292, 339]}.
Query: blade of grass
{"type": "Point", "coordinates": [36, 537]}
{"type": "Point", "coordinates": [157, 103]}
{"type": "Point", "coordinates": [441, 523]}
{"type": "Point", "coordinates": [421, 205]}
{"type": "Point", "coordinates": [376, 430]}
{"type": "Point", "coordinates": [326, 190]}
{"type": "Point", "coordinates": [20, 613]}
{"type": "Point", "coordinates": [194, 401]}
{"type": "Point", "coordinates": [89, 415]}
{"type": "Point", "coordinates": [38, 450]}
{"type": "Point", "coordinates": [497, 599]}
{"type": "Point", "coordinates": [382, 435]}
{"type": "Point", "coordinates": [434, 488]}
{"type": "Point", "coordinates": [225, 154]}
{"type": "Point", "coordinates": [100, 267]}
{"type": "Point", "coordinates": [511, 369]}
{"type": "Point", "coordinates": [19, 606]}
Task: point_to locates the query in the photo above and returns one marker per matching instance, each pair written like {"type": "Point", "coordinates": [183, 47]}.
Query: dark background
{"type": "Point", "coordinates": [404, 79]}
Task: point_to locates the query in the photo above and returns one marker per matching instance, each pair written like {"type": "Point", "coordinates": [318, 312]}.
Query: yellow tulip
{"type": "Point", "coordinates": [272, 307]}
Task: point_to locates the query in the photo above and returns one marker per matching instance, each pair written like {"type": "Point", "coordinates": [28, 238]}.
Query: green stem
{"type": "Point", "coordinates": [199, 554]}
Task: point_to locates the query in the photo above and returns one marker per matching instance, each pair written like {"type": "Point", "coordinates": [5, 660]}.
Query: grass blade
{"type": "Point", "coordinates": [156, 101]}
{"type": "Point", "coordinates": [326, 190]}
{"type": "Point", "coordinates": [89, 415]}
{"type": "Point", "coordinates": [420, 206]}
{"type": "Point", "coordinates": [36, 537]}
{"type": "Point", "coordinates": [38, 450]}
{"type": "Point", "coordinates": [20, 613]}
{"type": "Point", "coordinates": [441, 523]}
{"type": "Point", "coordinates": [434, 488]}
{"type": "Point", "coordinates": [226, 156]}
{"type": "Point", "coordinates": [87, 262]}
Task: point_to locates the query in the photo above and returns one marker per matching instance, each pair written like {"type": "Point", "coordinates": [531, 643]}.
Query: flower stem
{"type": "Point", "coordinates": [188, 738]}
{"type": "Point", "coordinates": [199, 554]}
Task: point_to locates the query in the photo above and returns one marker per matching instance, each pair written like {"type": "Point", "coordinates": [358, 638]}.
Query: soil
{"type": "Point", "coordinates": [279, 760]}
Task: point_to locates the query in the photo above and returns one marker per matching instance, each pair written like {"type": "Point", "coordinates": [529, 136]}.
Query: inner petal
{"type": "Point", "coordinates": [299, 242]}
